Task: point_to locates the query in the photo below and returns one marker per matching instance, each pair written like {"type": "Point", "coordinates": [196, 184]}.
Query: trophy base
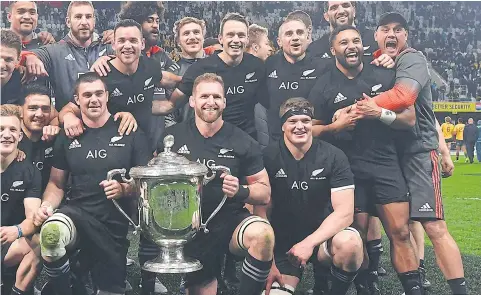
{"type": "Point", "coordinates": [172, 260]}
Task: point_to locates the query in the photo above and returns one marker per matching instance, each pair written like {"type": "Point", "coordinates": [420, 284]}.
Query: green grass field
{"type": "Point", "coordinates": [462, 204]}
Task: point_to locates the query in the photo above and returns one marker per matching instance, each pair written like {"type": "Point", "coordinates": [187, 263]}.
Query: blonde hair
{"type": "Point", "coordinates": [79, 3]}
{"type": "Point", "coordinates": [10, 110]}
{"type": "Point", "coordinates": [208, 77]}
{"type": "Point", "coordinates": [187, 20]}
{"type": "Point", "coordinates": [255, 33]}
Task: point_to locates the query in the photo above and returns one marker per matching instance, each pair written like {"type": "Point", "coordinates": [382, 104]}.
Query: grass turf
{"type": "Point", "coordinates": [462, 204]}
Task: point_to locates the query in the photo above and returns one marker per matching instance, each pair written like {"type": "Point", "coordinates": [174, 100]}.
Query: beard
{"type": "Point", "coordinates": [335, 24]}
{"type": "Point", "coordinates": [208, 118]}
{"type": "Point", "coordinates": [150, 39]}
{"type": "Point", "coordinates": [81, 36]}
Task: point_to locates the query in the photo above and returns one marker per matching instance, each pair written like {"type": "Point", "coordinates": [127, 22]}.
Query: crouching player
{"type": "Point", "coordinates": [312, 204]}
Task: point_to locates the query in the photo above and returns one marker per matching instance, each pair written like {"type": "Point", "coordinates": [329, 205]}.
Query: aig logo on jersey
{"type": "Point", "coordinates": [136, 98]}
{"type": "Point", "coordinates": [235, 90]}
{"type": "Point", "coordinates": [226, 153]}
{"type": "Point", "coordinates": [16, 186]}
{"type": "Point", "coordinates": [315, 175]}
{"type": "Point", "coordinates": [147, 84]}
{"type": "Point", "coordinates": [96, 154]}
{"type": "Point", "coordinates": [114, 141]}
{"type": "Point", "coordinates": [307, 75]}
{"type": "Point", "coordinates": [249, 78]}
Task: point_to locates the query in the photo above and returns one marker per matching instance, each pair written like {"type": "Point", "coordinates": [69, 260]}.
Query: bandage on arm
{"type": "Point", "coordinates": [401, 96]}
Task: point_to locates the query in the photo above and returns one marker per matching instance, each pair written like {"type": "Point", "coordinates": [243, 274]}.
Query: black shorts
{"type": "Point", "coordinates": [103, 247]}
{"type": "Point", "coordinates": [459, 142]}
{"type": "Point", "coordinates": [423, 177]}
{"type": "Point", "coordinates": [209, 248]}
{"type": "Point", "coordinates": [384, 186]}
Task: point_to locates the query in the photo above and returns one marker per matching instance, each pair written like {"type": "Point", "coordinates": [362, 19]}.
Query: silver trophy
{"type": "Point", "coordinates": [170, 206]}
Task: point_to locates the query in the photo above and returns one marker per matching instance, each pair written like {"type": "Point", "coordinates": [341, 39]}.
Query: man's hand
{"type": "Point", "coordinates": [49, 132]}
{"type": "Point", "coordinates": [274, 276]}
{"type": "Point", "coordinates": [101, 65]}
{"type": "Point", "coordinates": [108, 37]}
{"type": "Point", "coordinates": [72, 125]}
{"type": "Point", "coordinates": [367, 108]}
{"type": "Point", "coordinates": [23, 72]}
{"type": "Point", "coordinates": [385, 61]}
{"type": "Point", "coordinates": [230, 186]}
{"type": "Point", "coordinates": [127, 122]}
{"type": "Point", "coordinates": [112, 188]}
{"type": "Point", "coordinates": [20, 156]}
{"type": "Point", "coordinates": [299, 254]}
{"type": "Point", "coordinates": [46, 38]}
{"type": "Point", "coordinates": [35, 66]}
{"type": "Point", "coordinates": [447, 165]}
{"type": "Point", "coordinates": [8, 234]}
{"type": "Point", "coordinates": [344, 119]}
{"type": "Point", "coordinates": [42, 214]}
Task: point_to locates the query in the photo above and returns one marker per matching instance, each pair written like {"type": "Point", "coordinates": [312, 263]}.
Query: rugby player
{"type": "Point", "coordinates": [242, 73]}
{"type": "Point", "coordinates": [10, 76]}
{"type": "Point", "coordinates": [88, 220]}
{"type": "Point", "coordinates": [419, 146]}
{"type": "Point", "coordinates": [259, 44]}
{"type": "Point", "coordinates": [458, 132]}
{"type": "Point", "coordinates": [210, 140]}
{"type": "Point", "coordinates": [303, 17]}
{"type": "Point", "coordinates": [370, 147]}
{"type": "Point", "coordinates": [447, 128]}
{"type": "Point", "coordinates": [309, 176]}
{"type": "Point", "coordinates": [21, 196]}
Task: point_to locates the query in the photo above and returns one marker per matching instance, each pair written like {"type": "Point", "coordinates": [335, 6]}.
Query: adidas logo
{"type": "Point", "coordinates": [339, 97]}
{"type": "Point", "coordinates": [102, 52]}
{"type": "Point", "coordinates": [426, 208]}
{"type": "Point", "coordinates": [17, 183]}
{"type": "Point", "coordinates": [70, 57]}
{"type": "Point", "coordinates": [117, 92]}
{"type": "Point", "coordinates": [326, 55]}
{"type": "Point", "coordinates": [376, 87]}
{"type": "Point", "coordinates": [280, 174]}
{"type": "Point", "coordinates": [75, 144]}
{"type": "Point", "coordinates": [183, 150]}
{"type": "Point", "coordinates": [250, 75]}
{"type": "Point", "coordinates": [273, 74]}
{"type": "Point", "coordinates": [308, 72]}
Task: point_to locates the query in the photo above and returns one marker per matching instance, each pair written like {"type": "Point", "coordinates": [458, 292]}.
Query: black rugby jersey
{"type": "Point", "coordinates": [20, 180]}
{"type": "Point", "coordinates": [41, 155]}
{"type": "Point", "coordinates": [243, 87]}
{"type": "Point", "coordinates": [164, 61]}
{"type": "Point", "coordinates": [285, 80]}
{"type": "Point", "coordinates": [11, 91]}
{"type": "Point", "coordinates": [301, 189]}
{"type": "Point", "coordinates": [230, 147]}
{"type": "Point", "coordinates": [90, 156]}
{"type": "Point", "coordinates": [371, 142]}
{"type": "Point", "coordinates": [321, 48]}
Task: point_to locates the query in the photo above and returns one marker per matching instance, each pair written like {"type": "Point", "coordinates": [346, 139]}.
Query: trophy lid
{"type": "Point", "coordinates": [168, 163]}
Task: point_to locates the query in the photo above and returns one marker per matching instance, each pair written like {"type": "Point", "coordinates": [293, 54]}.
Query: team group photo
{"type": "Point", "coordinates": [228, 147]}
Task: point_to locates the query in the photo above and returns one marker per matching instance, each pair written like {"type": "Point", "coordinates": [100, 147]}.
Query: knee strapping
{"type": "Point", "coordinates": [56, 234]}
{"type": "Point", "coordinates": [278, 290]}
{"type": "Point", "coordinates": [242, 229]}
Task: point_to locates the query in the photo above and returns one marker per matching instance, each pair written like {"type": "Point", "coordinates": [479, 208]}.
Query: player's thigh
{"type": "Point", "coordinates": [16, 252]}
{"type": "Point", "coordinates": [249, 230]}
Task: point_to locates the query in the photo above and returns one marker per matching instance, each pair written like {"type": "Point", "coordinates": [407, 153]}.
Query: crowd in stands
{"type": "Point", "coordinates": [449, 33]}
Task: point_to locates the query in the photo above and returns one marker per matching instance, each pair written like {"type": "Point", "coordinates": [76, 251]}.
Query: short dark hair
{"type": "Point", "coordinates": [15, 2]}
{"type": "Point", "coordinates": [33, 88]}
{"type": "Point", "coordinates": [233, 16]}
{"type": "Point", "coordinates": [11, 40]}
{"type": "Point", "coordinates": [460, 120]}
{"type": "Point", "coordinates": [140, 10]}
{"type": "Point", "coordinates": [300, 15]}
{"type": "Point", "coordinates": [326, 5]}
{"type": "Point", "coordinates": [89, 77]}
{"type": "Point", "coordinates": [340, 29]}
{"type": "Point", "coordinates": [127, 23]}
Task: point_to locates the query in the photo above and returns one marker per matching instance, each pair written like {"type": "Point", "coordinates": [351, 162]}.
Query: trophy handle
{"type": "Point", "coordinates": [110, 176]}
{"type": "Point", "coordinates": [203, 226]}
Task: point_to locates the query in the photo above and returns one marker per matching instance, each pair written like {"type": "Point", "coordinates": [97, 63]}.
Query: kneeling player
{"type": "Point", "coordinates": [21, 192]}
{"type": "Point", "coordinates": [309, 176]}
{"type": "Point", "coordinates": [88, 220]}
{"type": "Point", "coordinates": [209, 139]}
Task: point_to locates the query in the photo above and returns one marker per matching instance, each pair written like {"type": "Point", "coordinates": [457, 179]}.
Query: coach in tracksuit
{"type": "Point", "coordinates": [65, 61]}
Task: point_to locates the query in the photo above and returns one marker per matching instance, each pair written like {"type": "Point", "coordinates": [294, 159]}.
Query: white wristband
{"type": "Point", "coordinates": [387, 116]}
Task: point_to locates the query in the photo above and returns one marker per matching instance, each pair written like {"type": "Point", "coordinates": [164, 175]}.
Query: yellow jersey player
{"type": "Point", "coordinates": [447, 128]}
{"type": "Point", "coordinates": [459, 133]}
